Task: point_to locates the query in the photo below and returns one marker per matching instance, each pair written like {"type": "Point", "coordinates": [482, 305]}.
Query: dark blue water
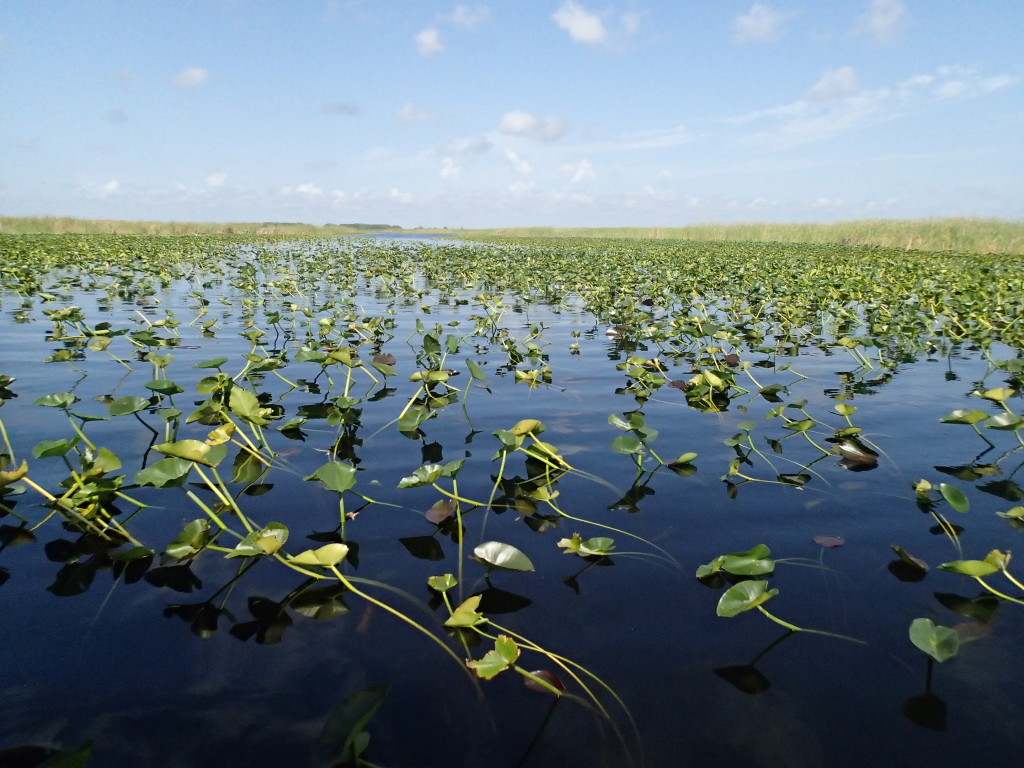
{"type": "Point", "coordinates": [125, 666]}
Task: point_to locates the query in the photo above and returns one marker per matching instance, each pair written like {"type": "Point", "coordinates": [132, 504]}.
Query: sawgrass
{"type": "Point", "coordinates": [32, 225]}
{"type": "Point", "coordinates": [948, 234]}
{"type": "Point", "coordinates": [967, 235]}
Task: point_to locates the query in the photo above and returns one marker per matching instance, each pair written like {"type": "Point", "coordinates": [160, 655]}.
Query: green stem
{"type": "Point", "coordinates": [996, 592]}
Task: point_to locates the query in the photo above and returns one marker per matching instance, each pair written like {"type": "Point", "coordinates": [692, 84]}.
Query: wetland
{"type": "Point", "coordinates": [511, 502]}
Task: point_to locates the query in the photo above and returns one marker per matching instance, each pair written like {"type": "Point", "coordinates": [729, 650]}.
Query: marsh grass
{"type": "Point", "coordinates": [34, 225]}
{"type": "Point", "coordinates": [965, 235]}
{"type": "Point", "coordinates": [949, 234]}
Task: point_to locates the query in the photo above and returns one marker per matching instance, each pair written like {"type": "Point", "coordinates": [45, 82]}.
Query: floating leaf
{"type": "Point", "coordinates": [326, 556]}
{"type": "Point", "coordinates": [495, 554]}
{"type": "Point", "coordinates": [597, 546]}
{"type": "Point", "coordinates": [194, 450]}
{"type": "Point", "coordinates": [442, 583]}
{"type": "Point", "coordinates": [504, 656]}
{"type": "Point", "coordinates": [246, 406]}
{"type": "Point", "coordinates": [955, 497]}
{"type": "Point", "coordinates": [544, 681]}
{"type": "Point", "coordinates": [216, 362]}
{"type": "Point", "coordinates": [425, 475]}
{"type": "Point", "coordinates": [164, 473]}
{"type": "Point", "coordinates": [466, 614]}
{"type": "Point", "coordinates": [57, 400]}
{"type": "Point", "coordinates": [829, 541]}
{"type": "Point", "coordinates": [939, 642]}
{"type": "Point", "coordinates": [527, 426]}
{"type": "Point", "coordinates": [998, 394]}
{"type": "Point", "coordinates": [337, 476]}
{"type": "Point", "coordinates": [627, 444]}
{"type": "Point", "coordinates": [744, 596]}
{"type": "Point", "coordinates": [1004, 421]}
{"type": "Point", "coordinates": [974, 568]}
{"type": "Point", "coordinates": [909, 559]}
{"type": "Point", "coordinates": [9, 476]}
{"type": "Point", "coordinates": [124, 406]}
{"type": "Point", "coordinates": [441, 510]}
{"type": "Point", "coordinates": [265, 541]}
{"type": "Point", "coordinates": [47, 448]}
{"type": "Point", "coordinates": [754, 562]}
{"type": "Point", "coordinates": [193, 538]}
{"type": "Point", "coordinates": [963, 416]}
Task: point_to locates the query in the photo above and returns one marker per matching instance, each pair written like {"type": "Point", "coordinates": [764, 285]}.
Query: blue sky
{"type": "Point", "coordinates": [560, 112]}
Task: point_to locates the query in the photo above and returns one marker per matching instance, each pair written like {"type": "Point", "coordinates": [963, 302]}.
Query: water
{"type": "Point", "coordinates": [146, 674]}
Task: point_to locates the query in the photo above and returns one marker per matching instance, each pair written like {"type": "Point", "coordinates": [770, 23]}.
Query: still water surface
{"type": "Point", "coordinates": [123, 664]}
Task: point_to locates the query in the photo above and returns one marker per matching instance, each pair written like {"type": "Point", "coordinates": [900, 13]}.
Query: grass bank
{"type": "Point", "coordinates": [952, 234]}
{"type": "Point", "coordinates": [34, 225]}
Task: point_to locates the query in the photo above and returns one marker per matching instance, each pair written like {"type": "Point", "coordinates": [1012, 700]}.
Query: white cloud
{"type": "Point", "coordinates": [400, 197]}
{"type": "Point", "coordinates": [837, 104]}
{"type": "Point", "coordinates": [582, 26]}
{"type": "Point", "coordinates": [521, 187]}
{"type": "Point", "coordinates": [630, 22]}
{"type": "Point", "coordinates": [834, 84]}
{"type": "Point", "coordinates": [410, 113]}
{"type": "Point", "coordinates": [581, 171]}
{"type": "Point", "coordinates": [884, 20]}
{"type": "Point", "coordinates": [309, 189]}
{"type": "Point", "coordinates": [520, 166]}
{"type": "Point", "coordinates": [469, 16]}
{"type": "Point", "coordinates": [112, 187]}
{"type": "Point", "coordinates": [216, 179]}
{"type": "Point", "coordinates": [520, 123]}
{"type": "Point", "coordinates": [450, 170]}
{"type": "Point", "coordinates": [951, 89]}
{"type": "Point", "coordinates": [190, 78]}
{"type": "Point", "coordinates": [758, 25]}
{"type": "Point", "coordinates": [997, 82]}
{"type": "Point", "coordinates": [428, 42]}
{"type": "Point", "coordinates": [654, 138]}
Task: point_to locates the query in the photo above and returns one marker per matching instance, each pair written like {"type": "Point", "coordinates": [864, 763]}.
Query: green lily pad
{"type": "Point", "coordinates": [939, 642]}
{"type": "Point", "coordinates": [744, 596]}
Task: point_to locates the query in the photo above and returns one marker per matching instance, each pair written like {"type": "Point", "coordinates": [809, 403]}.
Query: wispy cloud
{"type": "Point", "coordinates": [520, 166]}
{"type": "Point", "coordinates": [410, 113]}
{"type": "Point", "coordinates": [469, 16]}
{"type": "Point", "coordinates": [652, 138]}
{"type": "Point", "coordinates": [758, 25]}
{"type": "Point", "coordinates": [216, 179]}
{"type": "Point", "coordinates": [450, 169]}
{"type": "Point", "coordinates": [309, 190]}
{"type": "Point", "coordinates": [837, 104]}
{"type": "Point", "coordinates": [192, 77]}
{"type": "Point", "coordinates": [520, 123]}
{"type": "Point", "coordinates": [577, 172]}
{"type": "Point", "coordinates": [834, 84]}
{"type": "Point", "coordinates": [884, 20]}
{"type": "Point", "coordinates": [428, 42]}
{"type": "Point", "coordinates": [582, 25]}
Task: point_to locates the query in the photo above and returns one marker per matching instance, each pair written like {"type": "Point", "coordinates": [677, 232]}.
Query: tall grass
{"type": "Point", "coordinates": [31, 225]}
{"type": "Point", "coordinates": [952, 234]}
